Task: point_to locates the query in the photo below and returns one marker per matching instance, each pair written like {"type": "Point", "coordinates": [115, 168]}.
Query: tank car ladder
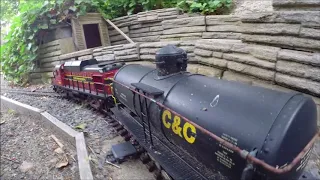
{"type": "Point", "coordinates": [147, 91]}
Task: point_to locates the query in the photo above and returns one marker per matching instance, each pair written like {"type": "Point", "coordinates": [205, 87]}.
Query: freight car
{"type": "Point", "coordinates": [197, 127]}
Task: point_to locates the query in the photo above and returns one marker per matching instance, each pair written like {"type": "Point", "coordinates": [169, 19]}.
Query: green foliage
{"type": "Point", "coordinates": [205, 7]}
{"type": "Point", "coordinates": [21, 48]}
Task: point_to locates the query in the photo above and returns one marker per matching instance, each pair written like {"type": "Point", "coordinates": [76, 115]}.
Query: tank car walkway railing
{"type": "Point", "coordinates": [243, 153]}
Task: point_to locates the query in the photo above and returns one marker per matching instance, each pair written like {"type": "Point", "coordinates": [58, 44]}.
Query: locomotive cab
{"type": "Point", "coordinates": [58, 75]}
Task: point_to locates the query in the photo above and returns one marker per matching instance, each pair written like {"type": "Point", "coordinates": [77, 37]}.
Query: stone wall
{"type": "Point", "coordinates": [142, 27]}
{"type": "Point", "coordinates": [278, 50]}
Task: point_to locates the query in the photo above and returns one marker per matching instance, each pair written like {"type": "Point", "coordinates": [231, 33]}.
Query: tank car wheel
{"type": "Point", "coordinates": [145, 158]}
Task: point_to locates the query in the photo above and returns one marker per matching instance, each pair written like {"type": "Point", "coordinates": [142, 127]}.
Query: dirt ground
{"type": "Point", "coordinates": [29, 152]}
{"type": "Point", "coordinates": [99, 135]}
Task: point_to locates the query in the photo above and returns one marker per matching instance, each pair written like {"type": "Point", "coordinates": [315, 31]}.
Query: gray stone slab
{"type": "Point", "coordinates": [251, 70]}
{"type": "Point", "coordinates": [300, 70]}
{"type": "Point", "coordinates": [83, 158]}
{"type": "Point", "coordinates": [298, 83]}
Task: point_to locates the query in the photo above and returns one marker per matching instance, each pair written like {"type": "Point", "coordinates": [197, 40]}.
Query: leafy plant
{"type": "Point", "coordinates": [204, 6]}
{"type": "Point", "coordinates": [20, 50]}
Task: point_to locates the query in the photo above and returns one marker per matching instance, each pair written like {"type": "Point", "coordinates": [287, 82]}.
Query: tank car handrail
{"type": "Point", "coordinates": [243, 153]}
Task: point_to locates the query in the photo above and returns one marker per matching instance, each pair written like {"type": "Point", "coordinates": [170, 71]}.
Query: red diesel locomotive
{"type": "Point", "coordinates": [86, 78]}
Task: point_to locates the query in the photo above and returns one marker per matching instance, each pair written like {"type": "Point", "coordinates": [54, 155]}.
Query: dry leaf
{"type": "Point", "coordinates": [62, 164]}
{"type": "Point", "coordinates": [81, 126]}
{"type": "Point", "coordinates": [2, 121]}
{"type": "Point", "coordinates": [58, 151]}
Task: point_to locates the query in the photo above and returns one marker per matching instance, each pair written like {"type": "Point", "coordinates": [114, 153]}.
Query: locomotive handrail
{"type": "Point", "coordinates": [243, 153]}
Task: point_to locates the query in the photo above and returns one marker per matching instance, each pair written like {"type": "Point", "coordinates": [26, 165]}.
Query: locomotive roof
{"type": "Point", "coordinates": [91, 65]}
{"type": "Point", "coordinates": [104, 66]}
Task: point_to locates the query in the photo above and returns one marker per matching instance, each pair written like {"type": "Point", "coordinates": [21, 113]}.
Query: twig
{"type": "Point", "coordinates": [108, 162]}
{"type": "Point", "coordinates": [10, 159]}
{"type": "Point", "coordinates": [57, 141]}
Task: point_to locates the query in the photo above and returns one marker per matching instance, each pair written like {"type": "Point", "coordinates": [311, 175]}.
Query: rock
{"type": "Point", "coordinates": [188, 49]}
{"type": "Point", "coordinates": [222, 19]}
{"type": "Point", "coordinates": [217, 54]}
{"type": "Point", "coordinates": [251, 70]}
{"type": "Point", "coordinates": [185, 30]}
{"type": "Point", "coordinates": [25, 166]}
{"type": "Point", "coordinates": [115, 32]}
{"type": "Point", "coordinates": [209, 71]}
{"type": "Point", "coordinates": [156, 28]}
{"type": "Point", "coordinates": [147, 57]}
{"type": "Point", "coordinates": [248, 59]}
{"type": "Point", "coordinates": [306, 18]}
{"type": "Point", "coordinates": [87, 57]}
{"type": "Point", "coordinates": [141, 30]}
{"type": "Point", "coordinates": [225, 28]}
{"type": "Point", "coordinates": [264, 52]}
{"type": "Point", "coordinates": [232, 76]}
{"type": "Point", "coordinates": [181, 35]}
{"type": "Point", "coordinates": [292, 4]}
{"type": "Point", "coordinates": [298, 83]}
{"type": "Point", "coordinates": [189, 38]}
{"type": "Point", "coordinates": [212, 61]}
{"type": "Point", "coordinates": [310, 33]}
{"type": "Point", "coordinates": [147, 39]}
{"type": "Point", "coordinates": [202, 52]}
{"type": "Point", "coordinates": [301, 70]}
{"type": "Point", "coordinates": [122, 42]}
{"type": "Point", "coordinates": [158, 44]}
{"type": "Point", "coordinates": [240, 48]}
{"type": "Point", "coordinates": [184, 22]}
{"type": "Point", "coordinates": [15, 166]}
{"type": "Point", "coordinates": [284, 41]}
{"type": "Point", "coordinates": [300, 56]}
{"type": "Point", "coordinates": [270, 28]}
{"type": "Point", "coordinates": [216, 44]}
{"type": "Point", "coordinates": [107, 57]}
{"type": "Point", "coordinates": [221, 35]}
{"type": "Point", "coordinates": [128, 57]}
{"type": "Point", "coordinates": [145, 34]}
{"type": "Point", "coordinates": [148, 50]}
{"type": "Point", "coordinates": [126, 52]}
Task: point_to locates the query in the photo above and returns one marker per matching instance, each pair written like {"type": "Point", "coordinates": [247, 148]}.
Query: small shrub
{"type": "Point", "coordinates": [204, 6]}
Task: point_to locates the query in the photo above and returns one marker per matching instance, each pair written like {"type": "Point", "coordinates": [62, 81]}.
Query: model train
{"type": "Point", "coordinates": [198, 127]}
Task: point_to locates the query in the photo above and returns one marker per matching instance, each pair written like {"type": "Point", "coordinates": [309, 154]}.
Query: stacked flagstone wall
{"type": "Point", "coordinates": [278, 50]}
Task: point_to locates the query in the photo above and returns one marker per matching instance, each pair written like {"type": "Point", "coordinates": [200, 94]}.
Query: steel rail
{"type": "Point", "coordinates": [243, 153]}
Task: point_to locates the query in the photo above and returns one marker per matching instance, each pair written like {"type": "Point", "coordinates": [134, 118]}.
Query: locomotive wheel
{"type": "Point", "coordinates": [151, 166]}
{"type": "Point", "coordinates": [144, 158]}
{"type": "Point", "coordinates": [165, 176]}
{"type": "Point", "coordinates": [157, 174]}
{"type": "Point", "coordinates": [127, 137]}
{"type": "Point", "coordinates": [114, 124]}
{"type": "Point", "coordinates": [123, 132]}
{"type": "Point", "coordinates": [118, 128]}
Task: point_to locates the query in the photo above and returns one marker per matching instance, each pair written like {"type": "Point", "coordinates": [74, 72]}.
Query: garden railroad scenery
{"type": "Point", "coordinates": [206, 89]}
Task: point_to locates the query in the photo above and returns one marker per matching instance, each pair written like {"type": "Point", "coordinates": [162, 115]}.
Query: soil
{"type": "Point", "coordinates": [28, 151]}
{"type": "Point", "coordinates": [99, 135]}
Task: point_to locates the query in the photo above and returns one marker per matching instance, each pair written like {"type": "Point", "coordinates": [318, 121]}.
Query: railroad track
{"type": "Point", "coordinates": [152, 166]}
